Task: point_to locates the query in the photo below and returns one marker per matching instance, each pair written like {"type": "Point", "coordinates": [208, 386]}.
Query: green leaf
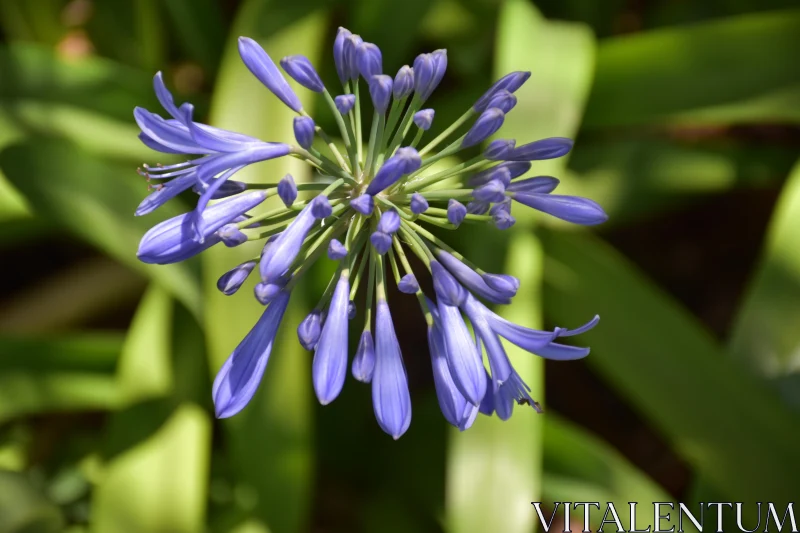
{"type": "Point", "coordinates": [634, 177]}
{"type": "Point", "coordinates": [578, 466]}
{"type": "Point", "coordinates": [199, 27]}
{"type": "Point", "coordinates": [96, 200]}
{"type": "Point", "coordinates": [727, 425]}
{"type": "Point", "coordinates": [765, 336]}
{"type": "Point", "coordinates": [88, 352]}
{"type": "Point", "coordinates": [157, 477]}
{"type": "Point", "coordinates": [160, 485]}
{"type": "Point", "coordinates": [494, 462]}
{"type": "Point", "coordinates": [23, 509]}
{"type": "Point", "coordinates": [648, 76]}
{"type": "Point", "coordinates": [270, 441]}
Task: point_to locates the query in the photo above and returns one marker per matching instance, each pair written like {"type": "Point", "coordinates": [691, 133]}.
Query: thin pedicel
{"type": "Point", "coordinates": [365, 210]}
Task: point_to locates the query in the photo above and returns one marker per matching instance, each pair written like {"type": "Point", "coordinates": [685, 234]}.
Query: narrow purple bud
{"type": "Point", "coordinates": [364, 204]}
{"type": "Point", "coordinates": [304, 131]}
{"type": "Point", "coordinates": [455, 408]}
{"type": "Point", "coordinates": [344, 103]}
{"type": "Point", "coordinates": [478, 208]}
{"type": "Point", "coordinates": [239, 377]}
{"type": "Point", "coordinates": [403, 82]}
{"type": "Point", "coordinates": [380, 90]}
{"type": "Point", "coordinates": [329, 367]}
{"type": "Point", "coordinates": [381, 242]}
{"type": "Point", "coordinates": [320, 207]}
{"type": "Point", "coordinates": [456, 212]}
{"type": "Point", "coordinates": [232, 280]}
{"type": "Point", "coordinates": [369, 61]}
{"type": "Point", "coordinates": [339, 56]}
{"type": "Point", "coordinates": [287, 190]}
{"type": "Point", "coordinates": [266, 292]}
{"type": "Point", "coordinates": [470, 279]}
{"type": "Point", "coordinates": [503, 220]}
{"type": "Point", "coordinates": [550, 148]}
{"type": "Point", "coordinates": [309, 330]}
{"type": "Point", "coordinates": [336, 250]}
{"type": "Point", "coordinates": [279, 255]}
{"type": "Point", "coordinates": [302, 71]}
{"type": "Point", "coordinates": [423, 119]}
{"type": "Point", "coordinates": [463, 360]}
{"type": "Point", "coordinates": [542, 184]}
{"type": "Point", "coordinates": [503, 206]}
{"type": "Point", "coordinates": [263, 68]}
{"type": "Point", "coordinates": [510, 82]}
{"type": "Point", "coordinates": [231, 236]}
{"type": "Point", "coordinates": [502, 100]}
{"type": "Point", "coordinates": [351, 310]}
{"type": "Point", "coordinates": [227, 189]}
{"type": "Point", "coordinates": [364, 360]}
{"type": "Point", "coordinates": [502, 283]}
{"type": "Point", "coordinates": [494, 191]}
{"type": "Point", "coordinates": [486, 125]}
{"type": "Point", "coordinates": [512, 169]}
{"type": "Point", "coordinates": [408, 284]}
{"type": "Point", "coordinates": [499, 149]}
{"type": "Point", "coordinates": [570, 208]}
{"type": "Point", "coordinates": [404, 161]}
{"type": "Point", "coordinates": [423, 74]}
{"type": "Point", "coordinates": [391, 400]}
{"type": "Point", "coordinates": [351, 44]}
{"type": "Point", "coordinates": [418, 203]}
{"type": "Point", "coordinates": [448, 290]}
{"type": "Point", "coordinates": [389, 222]}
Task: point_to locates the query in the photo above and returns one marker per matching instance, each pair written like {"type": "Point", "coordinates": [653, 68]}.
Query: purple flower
{"type": "Point", "coordinates": [418, 203]}
{"type": "Point", "coordinates": [330, 358]}
{"type": "Point", "coordinates": [456, 212]}
{"type": "Point", "coordinates": [309, 330]}
{"type": "Point", "coordinates": [365, 195]}
{"type": "Point", "coordinates": [390, 397]}
{"type": "Point", "coordinates": [304, 131]}
{"type": "Point", "coordinates": [570, 208]}
{"type": "Point", "coordinates": [302, 71]}
{"type": "Point", "coordinates": [380, 90]}
{"type": "Point", "coordinates": [287, 190]}
{"type": "Point", "coordinates": [173, 240]}
{"type": "Point", "coordinates": [275, 261]}
{"type": "Point", "coordinates": [404, 161]}
{"type": "Point", "coordinates": [455, 408]}
{"type": "Point", "coordinates": [403, 82]}
{"type": "Point", "coordinates": [510, 82]}
{"type": "Point", "coordinates": [487, 124]}
{"type": "Point", "coordinates": [344, 103]}
{"type": "Point", "coordinates": [364, 360]}
{"type": "Point", "coordinates": [238, 379]}
{"type": "Point", "coordinates": [263, 68]}
{"type": "Point", "coordinates": [423, 119]}
{"type": "Point", "coordinates": [363, 204]}
{"type": "Point", "coordinates": [336, 250]}
{"type": "Point", "coordinates": [369, 61]}
{"type": "Point", "coordinates": [232, 280]}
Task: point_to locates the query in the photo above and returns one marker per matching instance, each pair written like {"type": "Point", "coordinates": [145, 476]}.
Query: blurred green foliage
{"type": "Point", "coordinates": [106, 423]}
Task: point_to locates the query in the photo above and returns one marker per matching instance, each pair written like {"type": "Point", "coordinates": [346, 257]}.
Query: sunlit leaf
{"type": "Point", "coordinates": [96, 200]}
{"type": "Point", "coordinates": [766, 336]}
{"type": "Point", "coordinates": [717, 417]}
{"type": "Point", "coordinates": [650, 75]}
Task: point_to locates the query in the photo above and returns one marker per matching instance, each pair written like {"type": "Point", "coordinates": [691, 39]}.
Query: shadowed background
{"type": "Point", "coordinates": [685, 116]}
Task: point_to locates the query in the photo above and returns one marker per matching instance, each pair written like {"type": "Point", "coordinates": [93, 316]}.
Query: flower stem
{"type": "Point", "coordinates": [446, 133]}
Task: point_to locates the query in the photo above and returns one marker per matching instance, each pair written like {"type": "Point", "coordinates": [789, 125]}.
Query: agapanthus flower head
{"type": "Point", "coordinates": [365, 210]}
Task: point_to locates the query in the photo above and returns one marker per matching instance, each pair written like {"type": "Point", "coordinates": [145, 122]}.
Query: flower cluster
{"type": "Point", "coordinates": [366, 208]}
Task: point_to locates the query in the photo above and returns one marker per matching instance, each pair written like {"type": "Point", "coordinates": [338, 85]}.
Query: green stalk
{"type": "Point", "coordinates": [446, 133]}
